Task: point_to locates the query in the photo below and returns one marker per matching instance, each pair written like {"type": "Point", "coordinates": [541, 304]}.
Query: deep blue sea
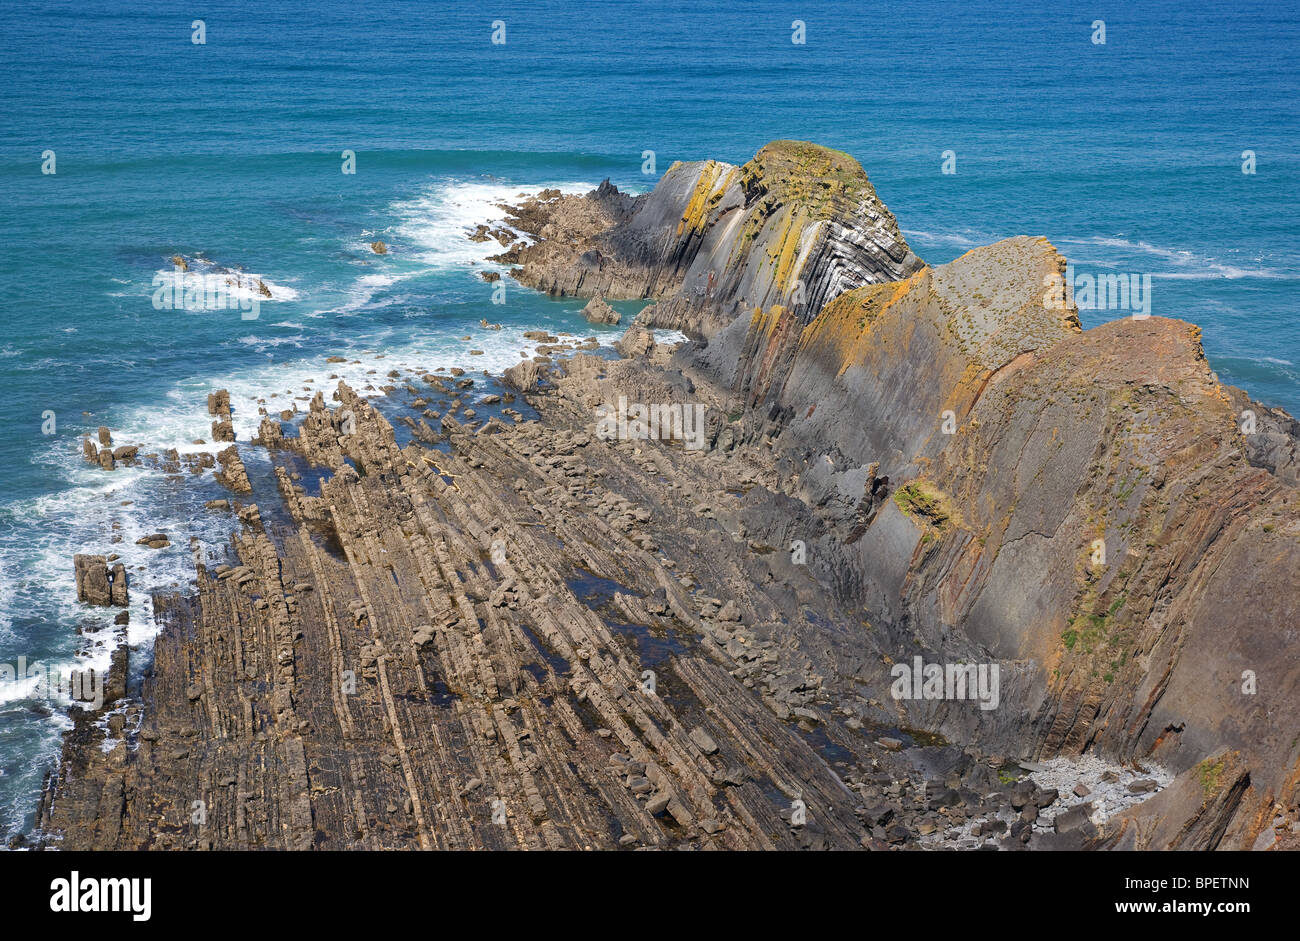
{"type": "Point", "coordinates": [1128, 155]}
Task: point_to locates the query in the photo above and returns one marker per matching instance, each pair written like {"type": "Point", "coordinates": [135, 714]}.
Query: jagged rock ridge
{"type": "Point", "coordinates": [1055, 438]}
{"type": "Point", "coordinates": [947, 445]}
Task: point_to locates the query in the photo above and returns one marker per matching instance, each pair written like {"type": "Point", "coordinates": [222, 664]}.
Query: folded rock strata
{"type": "Point", "coordinates": [1011, 442]}
{"type": "Point", "coordinates": [535, 637]}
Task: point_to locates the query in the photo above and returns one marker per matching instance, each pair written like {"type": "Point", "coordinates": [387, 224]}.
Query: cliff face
{"type": "Point", "coordinates": [1118, 435]}
{"type": "Point", "coordinates": [449, 646]}
{"type": "Point", "coordinates": [795, 226]}
{"type": "Point", "coordinates": [1081, 505]}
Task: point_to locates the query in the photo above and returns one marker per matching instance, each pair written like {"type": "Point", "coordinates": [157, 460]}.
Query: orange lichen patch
{"type": "Point", "coordinates": [1290, 788]}
{"type": "Point", "coordinates": [798, 177]}
{"type": "Point", "coordinates": [714, 179]}
{"type": "Point", "coordinates": [965, 392]}
{"type": "Point", "coordinates": [1052, 657]}
{"type": "Point", "coordinates": [840, 332]}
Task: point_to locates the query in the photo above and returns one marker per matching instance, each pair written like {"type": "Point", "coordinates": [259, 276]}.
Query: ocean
{"type": "Point", "coordinates": [1128, 155]}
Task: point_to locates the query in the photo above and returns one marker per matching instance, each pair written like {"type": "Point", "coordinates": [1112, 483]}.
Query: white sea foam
{"type": "Point", "coordinates": [430, 232]}
{"type": "Point", "coordinates": [262, 344]}
{"type": "Point", "coordinates": [440, 219]}
{"type": "Point", "coordinates": [87, 511]}
{"type": "Point", "coordinates": [85, 516]}
{"type": "Point", "coordinates": [25, 687]}
{"type": "Point", "coordinates": [377, 280]}
{"type": "Point", "coordinates": [970, 240]}
{"type": "Point", "coordinates": [1188, 265]}
{"type": "Point", "coordinates": [239, 285]}
{"type": "Point", "coordinates": [669, 337]}
{"type": "Point", "coordinates": [7, 575]}
{"type": "Point", "coordinates": [179, 419]}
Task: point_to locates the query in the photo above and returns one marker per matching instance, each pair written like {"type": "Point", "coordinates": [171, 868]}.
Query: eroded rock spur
{"type": "Point", "coordinates": [885, 555]}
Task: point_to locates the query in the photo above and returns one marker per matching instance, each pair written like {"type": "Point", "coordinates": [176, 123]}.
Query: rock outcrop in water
{"type": "Point", "coordinates": [796, 225]}
{"type": "Point", "coordinates": [541, 636]}
{"type": "Point", "coordinates": [93, 579]}
{"type": "Point", "coordinates": [597, 311]}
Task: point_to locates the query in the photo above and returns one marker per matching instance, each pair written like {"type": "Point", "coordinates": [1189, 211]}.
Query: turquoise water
{"type": "Point", "coordinates": [1127, 155]}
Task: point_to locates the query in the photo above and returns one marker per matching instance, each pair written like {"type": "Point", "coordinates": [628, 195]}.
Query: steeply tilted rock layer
{"type": "Point", "coordinates": [526, 635]}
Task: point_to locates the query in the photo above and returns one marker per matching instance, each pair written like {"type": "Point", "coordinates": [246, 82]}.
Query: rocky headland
{"type": "Point", "coordinates": [516, 631]}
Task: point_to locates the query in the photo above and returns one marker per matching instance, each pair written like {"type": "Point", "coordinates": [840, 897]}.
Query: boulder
{"type": "Point", "coordinates": [1022, 794]}
{"type": "Point", "coordinates": [944, 797]}
{"type": "Point", "coordinates": [1073, 818]}
{"type": "Point", "coordinates": [897, 834]}
{"type": "Point", "coordinates": [879, 815]}
{"type": "Point", "coordinates": [703, 741]}
{"type": "Point", "coordinates": [680, 813]}
{"type": "Point", "coordinates": [597, 311]}
{"type": "Point", "coordinates": [637, 341]}
{"type": "Point", "coordinates": [523, 376]}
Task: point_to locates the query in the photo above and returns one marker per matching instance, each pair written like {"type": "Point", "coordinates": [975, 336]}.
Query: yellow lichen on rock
{"type": "Point", "coordinates": [806, 174]}
{"type": "Point", "coordinates": [763, 322]}
{"type": "Point", "coordinates": [787, 249]}
{"type": "Point", "coordinates": [714, 179]}
{"type": "Point", "coordinates": [844, 324]}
